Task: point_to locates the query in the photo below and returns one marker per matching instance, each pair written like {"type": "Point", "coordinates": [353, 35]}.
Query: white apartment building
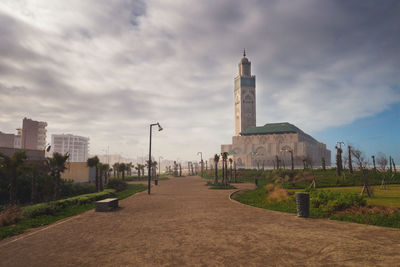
{"type": "Point", "coordinates": [76, 146]}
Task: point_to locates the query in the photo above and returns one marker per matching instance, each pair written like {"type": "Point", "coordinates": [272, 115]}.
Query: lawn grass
{"type": "Point", "coordinates": [388, 198]}
{"type": "Point", "coordinates": [220, 186]}
{"type": "Point", "coordinates": [258, 198]}
{"type": "Point", "coordinates": [25, 224]}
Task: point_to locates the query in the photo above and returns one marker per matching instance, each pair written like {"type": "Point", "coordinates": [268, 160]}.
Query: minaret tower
{"type": "Point", "coordinates": [245, 97]}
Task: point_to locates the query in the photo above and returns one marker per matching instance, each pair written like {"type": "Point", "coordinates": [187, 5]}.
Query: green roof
{"type": "Point", "coordinates": [273, 128]}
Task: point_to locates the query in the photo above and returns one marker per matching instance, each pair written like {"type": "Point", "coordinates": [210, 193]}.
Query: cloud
{"type": "Point", "coordinates": [108, 69]}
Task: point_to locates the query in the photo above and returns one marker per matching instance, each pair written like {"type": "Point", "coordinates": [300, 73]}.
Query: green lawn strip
{"type": "Point", "coordinates": [389, 197]}
{"type": "Point", "coordinates": [258, 198]}
{"type": "Point", "coordinates": [68, 211]}
{"type": "Point", "coordinates": [131, 190]}
{"type": "Point", "coordinates": [219, 186]}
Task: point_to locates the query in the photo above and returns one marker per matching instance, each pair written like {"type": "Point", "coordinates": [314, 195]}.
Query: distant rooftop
{"type": "Point", "coordinates": [274, 128]}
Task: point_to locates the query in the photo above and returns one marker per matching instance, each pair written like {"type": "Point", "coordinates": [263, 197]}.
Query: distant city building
{"type": "Point", "coordinates": [6, 140]}
{"type": "Point", "coordinates": [76, 146]}
{"type": "Point", "coordinates": [33, 134]}
{"type": "Point", "coordinates": [18, 138]}
{"type": "Point", "coordinates": [269, 145]}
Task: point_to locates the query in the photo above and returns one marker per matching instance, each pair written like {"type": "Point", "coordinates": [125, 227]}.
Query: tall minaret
{"type": "Point", "coordinates": [245, 97]}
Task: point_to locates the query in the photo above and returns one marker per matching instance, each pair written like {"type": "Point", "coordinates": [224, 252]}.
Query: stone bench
{"type": "Point", "coordinates": [107, 204]}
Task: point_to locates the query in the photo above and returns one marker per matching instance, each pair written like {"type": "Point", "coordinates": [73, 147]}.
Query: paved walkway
{"type": "Point", "coordinates": [183, 223]}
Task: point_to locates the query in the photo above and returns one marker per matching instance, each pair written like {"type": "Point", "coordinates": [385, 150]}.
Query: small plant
{"type": "Point", "coordinates": [10, 215]}
{"type": "Point", "coordinates": [276, 193]}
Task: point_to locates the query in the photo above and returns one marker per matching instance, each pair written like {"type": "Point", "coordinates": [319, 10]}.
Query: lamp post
{"type": "Point", "coordinates": [291, 155]}
{"type": "Point", "coordinates": [201, 162]}
{"type": "Point", "coordinates": [149, 181]}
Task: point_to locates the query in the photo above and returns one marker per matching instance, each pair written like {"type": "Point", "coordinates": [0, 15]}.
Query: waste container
{"type": "Point", "coordinates": [156, 182]}
{"type": "Point", "coordinates": [303, 204]}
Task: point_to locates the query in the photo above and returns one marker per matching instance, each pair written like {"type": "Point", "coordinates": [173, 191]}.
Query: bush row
{"type": "Point", "coordinates": [54, 206]}
{"type": "Point", "coordinates": [331, 201]}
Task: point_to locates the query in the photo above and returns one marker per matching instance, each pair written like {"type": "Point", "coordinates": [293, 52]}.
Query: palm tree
{"type": "Point", "coordinates": [12, 166]}
{"type": "Point", "coordinates": [138, 168]}
{"type": "Point", "coordinates": [231, 161]}
{"type": "Point", "coordinates": [216, 159]}
{"type": "Point", "coordinates": [224, 168]}
{"type": "Point", "coordinates": [93, 162]}
{"type": "Point", "coordinates": [122, 168]}
{"type": "Point", "coordinates": [129, 168]}
{"type": "Point", "coordinates": [116, 168]}
{"type": "Point", "coordinates": [57, 165]}
{"type": "Point", "coordinates": [106, 169]}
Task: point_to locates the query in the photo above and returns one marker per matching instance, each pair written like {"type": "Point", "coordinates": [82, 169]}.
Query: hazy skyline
{"type": "Point", "coordinates": [108, 69]}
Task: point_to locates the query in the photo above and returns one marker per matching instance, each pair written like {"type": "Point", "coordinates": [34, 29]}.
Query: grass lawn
{"type": "Point", "coordinates": [389, 197]}
{"type": "Point", "coordinates": [69, 211]}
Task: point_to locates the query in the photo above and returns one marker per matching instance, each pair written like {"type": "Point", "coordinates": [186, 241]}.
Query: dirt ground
{"type": "Point", "coordinates": [183, 223]}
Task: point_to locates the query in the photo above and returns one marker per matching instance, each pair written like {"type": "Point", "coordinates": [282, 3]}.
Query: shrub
{"type": "Point", "coordinates": [117, 184]}
{"type": "Point", "coordinates": [331, 201]}
{"type": "Point", "coordinates": [277, 193]}
{"type": "Point", "coordinates": [54, 206]}
{"type": "Point", "coordinates": [10, 215]}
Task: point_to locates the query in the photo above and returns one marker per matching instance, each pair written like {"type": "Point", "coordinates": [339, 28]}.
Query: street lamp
{"type": "Point", "coordinates": [201, 162]}
{"type": "Point", "coordinates": [291, 155]}
{"type": "Point", "coordinates": [159, 129]}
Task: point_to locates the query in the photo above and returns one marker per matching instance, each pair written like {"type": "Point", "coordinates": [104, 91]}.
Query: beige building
{"type": "Point", "coordinates": [79, 172]}
{"type": "Point", "coordinates": [272, 144]}
{"type": "Point", "coordinates": [33, 134]}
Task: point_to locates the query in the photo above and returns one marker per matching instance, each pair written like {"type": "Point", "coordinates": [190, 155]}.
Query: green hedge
{"type": "Point", "coordinates": [54, 206]}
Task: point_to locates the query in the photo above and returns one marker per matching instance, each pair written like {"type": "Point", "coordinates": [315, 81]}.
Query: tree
{"type": "Point", "coordinates": [129, 168]}
{"type": "Point", "coordinates": [93, 162]}
{"type": "Point", "coordinates": [57, 165]}
{"type": "Point", "coordinates": [382, 162]}
{"type": "Point", "coordinates": [216, 160]}
{"type": "Point", "coordinates": [138, 168]}
{"type": "Point", "coordinates": [362, 163]}
{"type": "Point", "coordinates": [225, 168]}
{"type": "Point", "coordinates": [323, 164]}
{"type": "Point", "coordinates": [350, 160]}
{"type": "Point", "coordinates": [373, 161]}
{"type": "Point", "coordinates": [122, 169]}
{"type": "Point", "coordinates": [12, 166]}
{"type": "Point", "coordinates": [339, 165]}
{"type": "Point", "coordinates": [116, 169]}
{"type": "Point", "coordinates": [107, 170]}
{"type": "Point", "coordinates": [231, 161]}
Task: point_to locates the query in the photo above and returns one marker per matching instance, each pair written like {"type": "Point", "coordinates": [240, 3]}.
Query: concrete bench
{"type": "Point", "coordinates": [107, 204]}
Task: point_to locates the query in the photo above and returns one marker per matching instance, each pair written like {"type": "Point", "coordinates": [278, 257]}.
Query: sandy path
{"type": "Point", "coordinates": [185, 223]}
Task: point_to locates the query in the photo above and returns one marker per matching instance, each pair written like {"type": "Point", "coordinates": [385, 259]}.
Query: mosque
{"type": "Point", "coordinates": [272, 144]}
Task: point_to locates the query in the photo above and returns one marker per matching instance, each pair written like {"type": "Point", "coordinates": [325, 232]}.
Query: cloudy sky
{"type": "Point", "coordinates": [107, 69]}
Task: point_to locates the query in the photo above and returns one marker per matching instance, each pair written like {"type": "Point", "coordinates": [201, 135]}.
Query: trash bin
{"type": "Point", "coordinates": [156, 182]}
{"type": "Point", "coordinates": [303, 204]}
{"type": "Point", "coordinates": [256, 181]}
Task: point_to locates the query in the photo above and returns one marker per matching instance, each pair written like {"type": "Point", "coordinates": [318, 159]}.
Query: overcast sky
{"type": "Point", "coordinates": [107, 69]}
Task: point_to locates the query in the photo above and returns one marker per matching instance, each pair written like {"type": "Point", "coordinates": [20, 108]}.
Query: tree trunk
{"type": "Point", "coordinates": [57, 186]}
{"type": "Point", "coordinates": [101, 180]}
{"type": "Point", "coordinates": [97, 180]}
{"type": "Point", "coordinates": [216, 174]}
{"type": "Point", "coordinates": [13, 189]}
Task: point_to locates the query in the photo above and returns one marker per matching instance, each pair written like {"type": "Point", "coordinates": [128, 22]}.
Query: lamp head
{"type": "Point", "coordinates": [48, 147]}
{"type": "Point", "coordinates": [159, 127]}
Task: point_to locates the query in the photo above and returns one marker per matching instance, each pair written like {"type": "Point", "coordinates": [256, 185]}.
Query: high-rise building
{"type": "Point", "coordinates": [76, 146]}
{"type": "Point", "coordinates": [33, 134]}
